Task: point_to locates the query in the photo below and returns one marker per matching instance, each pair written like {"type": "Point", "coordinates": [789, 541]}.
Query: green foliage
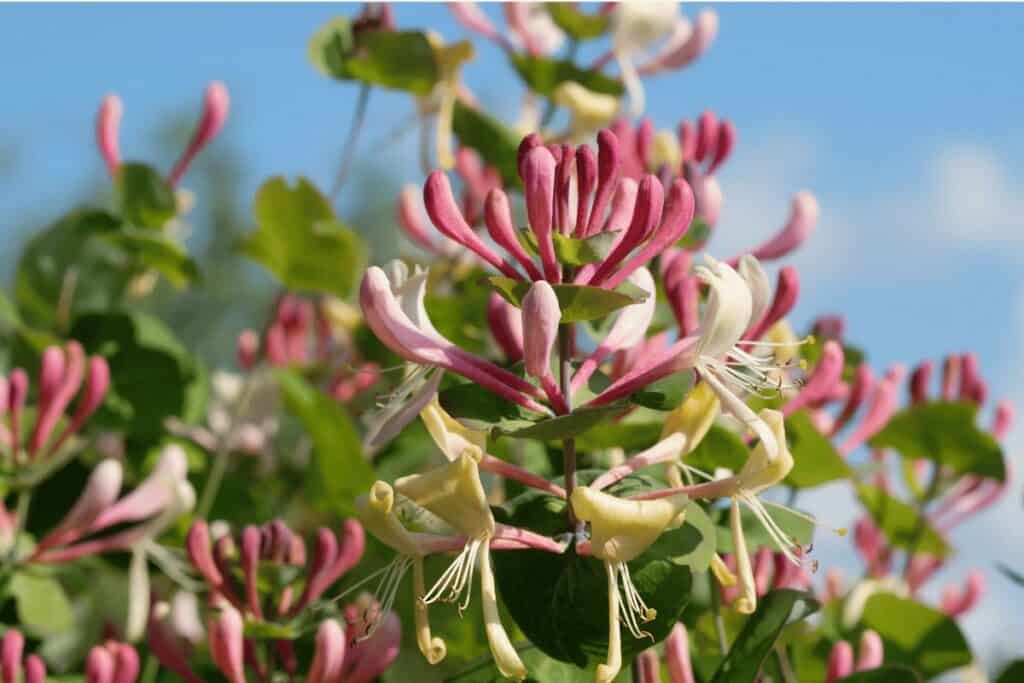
{"type": "Point", "coordinates": [695, 236]}
{"type": "Point", "coordinates": [572, 251]}
{"type": "Point", "coordinates": [559, 601]}
{"type": "Point", "coordinates": [666, 393]}
{"type": "Point", "coordinates": [43, 607]}
{"type": "Point", "coordinates": [946, 434]}
{"type": "Point", "coordinates": [152, 249]}
{"type": "Point", "coordinates": [884, 674]}
{"type": "Point", "coordinates": [543, 74]}
{"type": "Point", "coordinates": [145, 199]}
{"type": "Point", "coordinates": [578, 24]}
{"type": "Point", "coordinates": [541, 668]}
{"type": "Point", "coordinates": [774, 611]}
{"type": "Point", "coordinates": [797, 528]}
{"type": "Point", "coordinates": [400, 60]}
{"type": "Point", "coordinates": [299, 239]}
{"type": "Point", "coordinates": [338, 472]}
{"type": "Point", "coordinates": [495, 142]}
{"type": "Point", "coordinates": [720, 447]}
{"type": "Point", "coordinates": [153, 376]}
{"type": "Point", "coordinates": [902, 525]}
{"type": "Point", "coordinates": [1013, 672]}
{"type": "Point", "coordinates": [815, 460]}
{"type": "Point", "coordinates": [578, 302]}
{"type": "Point", "coordinates": [916, 635]}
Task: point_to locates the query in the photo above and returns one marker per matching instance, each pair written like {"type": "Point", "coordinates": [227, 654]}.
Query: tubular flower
{"type": "Point", "coordinates": [677, 659]}
{"type": "Point", "coordinates": [31, 669]}
{"type": "Point", "coordinates": [441, 102]}
{"type": "Point", "coordinates": [803, 218]}
{"type": "Point", "coordinates": [636, 27]}
{"type": "Point", "coordinates": [620, 530]}
{"type": "Point", "coordinates": [112, 662]}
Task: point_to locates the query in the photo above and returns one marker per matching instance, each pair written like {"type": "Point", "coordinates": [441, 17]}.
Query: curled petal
{"type": "Point", "coordinates": [215, 112]}
{"type": "Point", "coordinates": [827, 374]}
{"type": "Point", "coordinates": [787, 289]}
{"type": "Point", "coordinates": [803, 218]}
{"type": "Point", "coordinates": [686, 44]}
{"type": "Point", "coordinates": [108, 123]}
{"type": "Point", "coordinates": [410, 218]}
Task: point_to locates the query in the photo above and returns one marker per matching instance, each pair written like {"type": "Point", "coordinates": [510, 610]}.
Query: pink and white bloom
{"type": "Point", "coordinates": [112, 662]}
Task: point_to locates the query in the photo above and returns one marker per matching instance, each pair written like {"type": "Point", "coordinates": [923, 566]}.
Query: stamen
{"type": "Point", "coordinates": [634, 609]}
{"type": "Point", "coordinates": [455, 579]}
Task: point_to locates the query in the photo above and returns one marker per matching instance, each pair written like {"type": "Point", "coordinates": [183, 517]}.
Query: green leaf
{"type": "Point", "coordinates": [666, 393]}
{"type": "Point", "coordinates": [901, 523]}
{"type": "Point", "coordinates": [400, 60]}
{"type": "Point", "coordinates": [540, 669]}
{"type": "Point", "coordinates": [630, 436]}
{"type": "Point", "coordinates": [720, 447]}
{"type": "Point", "coordinates": [884, 674]}
{"type": "Point", "coordinates": [152, 249]}
{"type": "Point", "coordinates": [795, 526]}
{"type": "Point", "coordinates": [916, 635]}
{"type": "Point", "coordinates": [559, 601]}
{"type": "Point", "coordinates": [338, 472]}
{"type": "Point", "coordinates": [692, 544]}
{"type": "Point", "coordinates": [43, 607]}
{"type": "Point", "coordinates": [580, 25]}
{"type": "Point", "coordinates": [695, 236]}
{"type": "Point", "coordinates": [153, 376]}
{"type": "Point", "coordinates": [1013, 673]}
{"type": "Point", "coordinates": [496, 143]}
{"type": "Point", "coordinates": [301, 242]}
{"type": "Point", "coordinates": [145, 198]}
{"type": "Point", "coordinates": [543, 74]}
{"type": "Point", "coordinates": [566, 426]}
{"type": "Point", "coordinates": [479, 408]}
{"type": "Point", "coordinates": [945, 433]}
{"type": "Point", "coordinates": [815, 460]}
{"type": "Point", "coordinates": [774, 611]}
{"type": "Point", "coordinates": [572, 251]}
{"type": "Point", "coordinates": [578, 302]}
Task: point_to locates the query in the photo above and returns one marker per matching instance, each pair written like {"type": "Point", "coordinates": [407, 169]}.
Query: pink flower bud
{"type": "Point", "coordinates": [1003, 420]}
{"type": "Point", "coordinates": [448, 219]}
{"type": "Point", "coordinates": [647, 667]}
{"type": "Point", "coordinates": [369, 658]}
{"type": "Point", "coordinates": [586, 181]}
{"type": "Point", "coordinates": [763, 567]}
{"type": "Point", "coordinates": [226, 644]}
{"type": "Point", "coordinates": [541, 315]}
{"type": "Point", "coordinates": [11, 647]}
{"type": "Point", "coordinates": [787, 289]}
{"type": "Point", "coordinates": [35, 669]}
{"type": "Point", "coordinates": [506, 325]}
{"type": "Point", "coordinates": [100, 492]}
{"type": "Point", "coordinates": [871, 652]}
{"type": "Point", "coordinates": [881, 408]}
{"type": "Point", "coordinates": [686, 44]}
{"type": "Point", "coordinates": [644, 140]}
{"type": "Point", "coordinates": [723, 146]}
{"type": "Point", "coordinates": [840, 662]}
{"type": "Point", "coordinates": [500, 226]}
{"type": "Point", "coordinates": [834, 585]}
{"type": "Point", "coordinates": [677, 655]}
{"type": "Point", "coordinates": [99, 666]}
{"type": "Point", "coordinates": [470, 15]}
{"type": "Point", "coordinates": [250, 562]}
{"type": "Point", "coordinates": [823, 380]}
{"type": "Point", "coordinates": [564, 220]}
{"type": "Point", "coordinates": [802, 219]}
{"type": "Point", "coordinates": [830, 327]}
{"type": "Point", "coordinates": [329, 656]}
{"type": "Point", "coordinates": [707, 135]}
{"type": "Point", "coordinates": [108, 121]}
{"type": "Point", "coordinates": [525, 145]}
{"type": "Point", "coordinates": [539, 188]}
{"type": "Point", "coordinates": [607, 178]}
{"type": "Point", "coordinates": [198, 548]}
{"type": "Point", "coordinates": [646, 214]}
{"type": "Point", "coordinates": [950, 376]}
{"type": "Point", "coordinates": [411, 219]}
{"type": "Point", "coordinates": [215, 112]}
{"type": "Point", "coordinates": [97, 383]}
{"type": "Point", "coordinates": [919, 380]}
{"type": "Point", "coordinates": [59, 393]}
{"type": "Point", "coordinates": [972, 386]}
{"type": "Point", "coordinates": [863, 383]}
{"type": "Point", "coordinates": [126, 663]}
{"type": "Point", "coordinates": [51, 372]}
{"type": "Point", "coordinates": [688, 141]}
{"type": "Point", "coordinates": [248, 349]}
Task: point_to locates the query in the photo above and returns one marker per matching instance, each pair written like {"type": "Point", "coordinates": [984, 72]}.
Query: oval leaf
{"type": "Point", "coordinates": [578, 302]}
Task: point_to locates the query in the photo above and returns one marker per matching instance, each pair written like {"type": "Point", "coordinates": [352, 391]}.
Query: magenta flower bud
{"type": "Point", "coordinates": [950, 376]}
{"type": "Point", "coordinates": [329, 657]}
{"type": "Point", "coordinates": [539, 188]}
{"type": "Point", "coordinates": [586, 181]}
{"type": "Point", "coordinates": [411, 219]}
{"type": "Point", "coordinates": [881, 408]}
{"type": "Point", "coordinates": [277, 346]}
{"type": "Point", "coordinates": [764, 565]}
{"type": "Point", "coordinates": [500, 226]}
{"type": "Point", "coordinates": [623, 206]}
{"type": "Point", "coordinates": [647, 667]}
{"type": "Point", "coordinates": [448, 219]}
{"type": "Point", "coordinates": [249, 558]}
{"type": "Point", "coordinates": [802, 219]}
{"type": "Point", "coordinates": [525, 145]}
{"type": "Point", "coordinates": [126, 663]}
{"type": "Point", "coordinates": [972, 386]}
{"type": "Point", "coordinates": [607, 178]}
{"type": "Point", "coordinates": [99, 666]}
{"type": "Point", "coordinates": [677, 655]}
{"type": "Point", "coordinates": [226, 644]}
{"type": "Point", "coordinates": [97, 383]}
{"type": "Point", "coordinates": [830, 327]}
{"type": "Point", "coordinates": [371, 657]}
{"type": "Point", "coordinates": [787, 289]}
{"type": "Point", "coordinates": [564, 220]}
{"type": "Point", "coordinates": [506, 327]}
{"type": "Point", "coordinates": [1003, 419]}
{"type": "Point", "coordinates": [215, 112]}
{"type": "Point", "coordinates": [688, 141]}
{"type": "Point", "coordinates": [108, 123]}
{"type": "Point", "coordinates": [35, 669]}
{"type": "Point", "coordinates": [337, 559]}
{"type": "Point", "coordinates": [59, 394]}
{"type": "Point", "coordinates": [674, 222]}
{"type": "Point", "coordinates": [11, 647]}
{"type": "Point", "coordinates": [919, 381]}
{"type": "Point", "coordinates": [644, 140]}
{"type": "Point", "coordinates": [827, 374]}
{"type": "Point", "coordinates": [707, 135]}
{"type": "Point", "coordinates": [871, 652]}
{"type": "Point", "coordinates": [646, 214]}
{"type": "Point", "coordinates": [840, 662]}
{"type": "Point", "coordinates": [248, 349]}
{"type": "Point", "coordinates": [51, 372]}
{"type": "Point", "coordinates": [863, 383]}
{"type": "Point", "coordinates": [17, 392]}
{"type": "Point", "coordinates": [541, 315]}
{"type": "Point", "coordinates": [684, 298]}
{"type": "Point", "coordinates": [686, 44]}
{"type": "Point", "coordinates": [198, 548]}
{"type": "Point", "coordinates": [723, 147]}
{"type": "Point", "coordinates": [325, 552]}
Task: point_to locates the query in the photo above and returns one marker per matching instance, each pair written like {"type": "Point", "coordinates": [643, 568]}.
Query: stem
{"type": "Point", "coordinates": [222, 455]}
{"type": "Point", "coordinates": [565, 333]}
{"type": "Point", "coordinates": [716, 610]}
{"type": "Point", "coordinates": [151, 669]}
{"type": "Point", "coordinates": [785, 668]}
{"type": "Point", "coordinates": [348, 151]}
{"type": "Point", "coordinates": [922, 521]}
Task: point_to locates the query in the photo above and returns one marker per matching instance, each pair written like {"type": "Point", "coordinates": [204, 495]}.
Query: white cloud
{"type": "Point", "coordinates": [973, 197]}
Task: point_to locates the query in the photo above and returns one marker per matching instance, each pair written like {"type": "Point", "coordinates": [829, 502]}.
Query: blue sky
{"type": "Point", "coordinates": [905, 120]}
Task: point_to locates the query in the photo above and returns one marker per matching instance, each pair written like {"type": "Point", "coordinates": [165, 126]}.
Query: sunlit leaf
{"type": "Point", "coordinates": [578, 302]}
{"type": "Point", "coordinates": [145, 198]}
{"type": "Point", "coordinates": [543, 74]}
{"type": "Point", "coordinates": [916, 635]}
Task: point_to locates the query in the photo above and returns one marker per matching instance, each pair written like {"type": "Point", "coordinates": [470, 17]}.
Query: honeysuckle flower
{"type": "Point", "coordinates": [506, 325]}
{"type": "Point", "coordinates": [881, 406]}
{"type": "Point", "coordinates": [112, 662]}
{"type": "Point", "coordinates": [441, 102]}
{"type": "Point", "coordinates": [63, 373]}
{"type": "Point", "coordinates": [636, 28]}
{"type": "Point", "coordinates": [394, 310]}
{"type": "Point", "coordinates": [787, 289]}
{"type": "Point", "coordinates": [541, 316]}
{"type": "Point", "coordinates": [213, 114]}
{"type": "Point", "coordinates": [621, 530]}
{"type": "Point", "coordinates": [803, 218]}
{"type": "Point", "coordinates": [227, 643]}
{"type": "Point", "coordinates": [956, 602]}
{"type": "Point", "coordinates": [685, 45]}
{"type": "Point", "coordinates": [531, 25]}
{"type": "Point", "coordinates": [822, 381]}
{"type": "Point", "coordinates": [589, 111]}
{"type": "Point", "coordinates": [31, 669]}
{"type": "Point", "coordinates": [402, 405]}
